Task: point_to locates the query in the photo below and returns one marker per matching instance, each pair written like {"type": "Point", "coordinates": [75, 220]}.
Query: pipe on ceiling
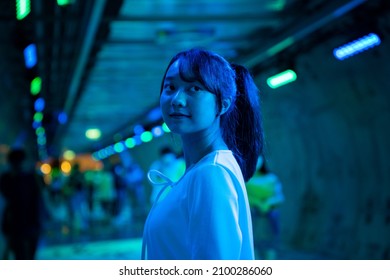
{"type": "Point", "coordinates": [306, 28]}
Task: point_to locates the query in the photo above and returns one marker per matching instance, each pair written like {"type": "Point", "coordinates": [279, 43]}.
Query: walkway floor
{"type": "Point", "coordinates": [107, 242]}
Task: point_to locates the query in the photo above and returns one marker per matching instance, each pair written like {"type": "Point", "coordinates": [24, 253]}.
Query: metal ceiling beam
{"type": "Point", "coordinates": [268, 18]}
{"type": "Point", "coordinates": [81, 62]}
{"type": "Point", "coordinates": [265, 19]}
{"type": "Point", "coordinates": [84, 53]}
{"type": "Point", "coordinates": [305, 29]}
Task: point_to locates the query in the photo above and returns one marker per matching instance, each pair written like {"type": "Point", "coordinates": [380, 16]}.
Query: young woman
{"type": "Point", "coordinates": [206, 213]}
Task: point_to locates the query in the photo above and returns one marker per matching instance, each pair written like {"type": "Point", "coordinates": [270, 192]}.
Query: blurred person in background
{"type": "Point", "coordinates": [104, 193]}
{"type": "Point", "coordinates": [134, 179]}
{"type": "Point", "coordinates": [75, 191]}
{"type": "Point", "coordinates": [56, 201]}
{"type": "Point", "coordinates": [265, 196]}
{"type": "Point", "coordinates": [21, 188]}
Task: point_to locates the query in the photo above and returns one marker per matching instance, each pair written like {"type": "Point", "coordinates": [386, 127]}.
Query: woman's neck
{"type": "Point", "coordinates": [196, 146]}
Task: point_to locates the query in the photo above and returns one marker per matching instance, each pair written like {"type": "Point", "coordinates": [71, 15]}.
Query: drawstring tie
{"type": "Point", "coordinates": [159, 179]}
{"type": "Point", "coordinates": [156, 178]}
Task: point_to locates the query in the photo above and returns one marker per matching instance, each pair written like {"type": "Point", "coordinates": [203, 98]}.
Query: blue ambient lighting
{"type": "Point", "coordinates": [357, 46]}
{"type": "Point", "coordinates": [30, 56]}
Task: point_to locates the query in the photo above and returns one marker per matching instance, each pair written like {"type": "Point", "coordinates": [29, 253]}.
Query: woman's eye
{"type": "Point", "coordinates": [169, 87]}
{"type": "Point", "coordinates": [195, 88]}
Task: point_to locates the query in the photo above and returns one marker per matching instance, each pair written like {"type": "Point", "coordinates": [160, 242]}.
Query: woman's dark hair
{"type": "Point", "coordinates": [249, 128]}
{"type": "Point", "coordinates": [241, 124]}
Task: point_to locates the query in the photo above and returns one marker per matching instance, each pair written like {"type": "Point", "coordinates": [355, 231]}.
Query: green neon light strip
{"type": "Point", "coordinates": [130, 143]}
{"type": "Point", "coordinates": [23, 8]}
{"type": "Point", "coordinates": [146, 136]}
{"type": "Point", "coordinates": [281, 79]}
{"type": "Point", "coordinates": [38, 117]}
{"type": "Point", "coordinates": [280, 46]}
{"type": "Point", "coordinates": [64, 2]}
{"type": "Point", "coordinates": [35, 86]}
{"type": "Point", "coordinates": [165, 128]}
{"type": "Point", "coordinates": [40, 131]}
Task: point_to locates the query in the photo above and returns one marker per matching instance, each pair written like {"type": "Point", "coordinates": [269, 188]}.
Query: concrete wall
{"type": "Point", "coordinates": [328, 136]}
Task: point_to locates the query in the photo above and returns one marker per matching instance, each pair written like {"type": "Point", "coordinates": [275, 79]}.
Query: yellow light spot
{"type": "Point", "coordinates": [66, 167]}
{"type": "Point", "coordinates": [46, 168]}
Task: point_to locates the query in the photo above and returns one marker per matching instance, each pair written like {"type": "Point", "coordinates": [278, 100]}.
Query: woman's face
{"type": "Point", "coordinates": [187, 107]}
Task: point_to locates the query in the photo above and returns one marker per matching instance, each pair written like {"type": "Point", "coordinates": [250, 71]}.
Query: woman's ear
{"type": "Point", "coordinates": [225, 105]}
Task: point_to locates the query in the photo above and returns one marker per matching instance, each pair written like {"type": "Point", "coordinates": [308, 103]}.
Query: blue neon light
{"type": "Point", "coordinates": [62, 118]}
{"type": "Point", "coordinates": [357, 46]}
{"type": "Point", "coordinates": [39, 104]}
{"type": "Point", "coordinates": [157, 131]}
{"type": "Point", "coordinates": [30, 56]}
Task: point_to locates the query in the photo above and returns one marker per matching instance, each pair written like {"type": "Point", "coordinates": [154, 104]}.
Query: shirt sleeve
{"type": "Point", "coordinates": [213, 215]}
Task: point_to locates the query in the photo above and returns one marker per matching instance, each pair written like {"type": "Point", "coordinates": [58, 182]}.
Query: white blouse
{"type": "Point", "coordinates": [205, 215]}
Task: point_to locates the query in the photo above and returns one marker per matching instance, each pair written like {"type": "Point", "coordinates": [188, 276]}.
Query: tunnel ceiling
{"type": "Point", "coordinates": [101, 62]}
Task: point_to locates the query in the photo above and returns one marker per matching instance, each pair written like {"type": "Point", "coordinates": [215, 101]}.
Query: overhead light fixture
{"type": "Point", "coordinates": [38, 117]}
{"type": "Point", "coordinates": [357, 46]}
{"type": "Point", "coordinates": [281, 79]}
{"type": "Point", "coordinates": [140, 136]}
{"type": "Point", "coordinates": [39, 104]}
{"type": "Point", "coordinates": [36, 86]}
{"type": "Point", "coordinates": [138, 129]}
{"type": "Point", "coordinates": [130, 143]}
{"type": "Point", "coordinates": [146, 136]}
{"type": "Point", "coordinates": [30, 56]}
{"type": "Point", "coordinates": [165, 128]}
{"type": "Point", "coordinates": [62, 118]}
{"type": "Point", "coordinates": [65, 2]}
{"type": "Point", "coordinates": [40, 131]}
{"type": "Point", "coordinates": [154, 115]}
{"type": "Point", "coordinates": [69, 155]}
{"type": "Point", "coordinates": [119, 147]}
{"type": "Point", "coordinates": [23, 8]}
{"type": "Point", "coordinates": [41, 140]}
{"type": "Point", "coordinates": [93, 133]}
{"type": "Point", "coordinates": [157, 131]}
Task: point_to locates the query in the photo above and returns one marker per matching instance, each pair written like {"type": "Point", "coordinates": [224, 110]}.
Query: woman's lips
{"type": "Point", "coordinates": [178, 115]}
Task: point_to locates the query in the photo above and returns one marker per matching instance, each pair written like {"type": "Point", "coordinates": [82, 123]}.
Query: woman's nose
{"type": "Point", "coordinates": [179, 99]}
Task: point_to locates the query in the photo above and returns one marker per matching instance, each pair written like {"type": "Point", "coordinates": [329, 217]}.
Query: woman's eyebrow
{"type": "Point", "coordinates": [169, 78]}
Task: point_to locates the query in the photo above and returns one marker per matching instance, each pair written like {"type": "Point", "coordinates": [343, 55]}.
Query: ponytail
{"type": "Point", "coordinates": [242, 126]}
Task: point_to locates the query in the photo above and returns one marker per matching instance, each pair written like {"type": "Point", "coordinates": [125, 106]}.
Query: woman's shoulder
{"type": "Point", "coordinates": [210, 181]}
{"type": "Point", "coordinates": [214, 167]}
{"type": "Point", "coordinates": [215, 161]}
{"type": "Point", "coordinates": [215, 172]}
{"type": "Point", "coordinates": [219, 157]}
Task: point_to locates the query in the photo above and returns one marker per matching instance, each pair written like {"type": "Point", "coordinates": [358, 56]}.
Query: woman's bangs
{"type": "Point", "coordinates": [189, 69]}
